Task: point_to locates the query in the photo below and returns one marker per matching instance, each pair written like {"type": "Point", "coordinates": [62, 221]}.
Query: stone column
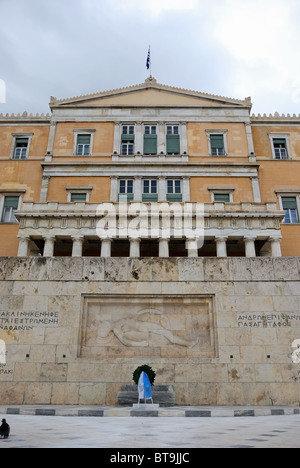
{"type": "Point", "coordinates": [77, 246]}
{"type": "Point", "coordinates": [135, 247]}
{"type": "Point", "coordinates": [192, 247]}
{"type": "Point", "coordinates": [275, 246]}
{"type": "Point", "coordinates": [106, 248]}
{"type": "Point", "coordinates": [162, 189]}
{"type": "Point", "coordinates": [117, 138]}
{"type": "Point", "coordinates": [139, 139]}
{"type": "Point", "coordinates": [44, 189]}
{"type": "Point", "coordinates": [256, 190]}
{"type": "Point", "coordinates": [249, 137]}
{"type": "Point", "coordinates": [183, 138]}
{"type": "Point", "coordinates": [186, 197]}
{"type": "Point", "coordinates": [23, 246]}
{"type": "Point", "coordinates": [137, 189]}
{"type": "Point", "coordinates": [161, 138]}
{"type": "Point", "coordinates": [164, 247]}
{"type": "Point", "coordinates": [51, 138]}
{"type": "Point", "coordinates": [221, 246]}
{"type": "Point", "coordinates": [114, 191]}
{"type": "Point", "coordinates": [49, 247]}
{"type": "Point", "coordinates": [250, 247]}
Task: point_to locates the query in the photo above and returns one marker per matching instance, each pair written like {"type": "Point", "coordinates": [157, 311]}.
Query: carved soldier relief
{"type": "Point", "coordinates": [184, 324]}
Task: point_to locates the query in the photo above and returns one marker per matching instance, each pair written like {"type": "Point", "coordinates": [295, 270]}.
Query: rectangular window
{"type": "Point", "coordinates": [174, 191]}
{"type": "Point", "coordinates": [172, 130]}
{"type": "Point", "coordinates": [10, 205]}
{"type": "Point", "coordinates": [217, 145]}
{"type": "Point", "coordinates": [280, 148]}
{"type": "Point", "coordinates": [173, 140]}
{"type": "Point", "coordinates": [21, 147]}
{"type": "Point", "coordinates": [150, 140]}
{"type": "Point", "coordinates": [127, 148]}
{"type": "Point", "coordinates": [150, 190]}
{"type": "Point", "coordinates": [127, 140]}
{"type": "Point", "coordinates": [83, 145]}
{"type": "Point", "coordinates": [290, 205]}
{"type": "Point", "coordinates": [222, 197]}
{"type": "Point", "coordinates": [78, 197]}
{"type": "Point", "coordinates": [128, 130]}
{"type": "Point", "coordinates": [126, 190]}
{"type": "Point", "coordinates": [150, 129]}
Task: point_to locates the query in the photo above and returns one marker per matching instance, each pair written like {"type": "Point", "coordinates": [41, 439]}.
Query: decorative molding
{"type": "Point", "coordinates": [26, 117]}
{"type": "Point", "coordinates": [275, 117]}
{"type": "Point", "coordinates": [153, 84]}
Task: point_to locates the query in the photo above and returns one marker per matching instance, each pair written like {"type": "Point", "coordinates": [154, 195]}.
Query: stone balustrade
{"type": "Point", "coordinates": [192, 223]}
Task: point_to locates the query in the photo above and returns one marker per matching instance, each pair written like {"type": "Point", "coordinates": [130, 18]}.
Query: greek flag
{"type": "Point", "coordinates": [148, 63]}
{"type": "Point", "coordinates": [144, 387]}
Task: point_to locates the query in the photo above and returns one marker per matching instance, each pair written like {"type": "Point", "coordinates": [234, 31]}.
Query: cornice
{"type": "Point", "coordinates": [25, 117]}
{"type": "Point", "coordinates": [273, 118]}
{"type": "Point", "coordinates": [152, 83]}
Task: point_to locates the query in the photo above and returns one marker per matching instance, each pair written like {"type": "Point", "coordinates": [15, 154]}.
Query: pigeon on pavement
{"type": "Point", "coordinates": [4, 429]}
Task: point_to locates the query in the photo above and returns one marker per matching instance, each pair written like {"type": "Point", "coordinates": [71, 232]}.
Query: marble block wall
{"type": "Point", "coordinates": [220, 331]}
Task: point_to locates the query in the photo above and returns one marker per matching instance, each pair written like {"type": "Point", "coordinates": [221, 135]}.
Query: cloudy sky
{"type": "Point", "coordinates": [66, 48]}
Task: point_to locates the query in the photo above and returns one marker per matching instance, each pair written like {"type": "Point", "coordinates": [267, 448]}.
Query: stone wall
{"type": "Point", "coordinates": [220, 331]}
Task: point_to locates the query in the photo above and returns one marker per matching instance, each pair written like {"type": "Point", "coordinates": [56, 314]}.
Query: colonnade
{"type": "Point", "coordinates": [191, 246]}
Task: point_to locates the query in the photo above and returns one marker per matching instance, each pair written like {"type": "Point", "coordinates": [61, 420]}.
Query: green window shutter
{"type": "Point", "coordinates": [289, 203]}
{"type": "Point", "coordinates": [173, 144]}
{"type": "Point", "coordinates": [126, 138]}
{"type": "Point", "coordinates": [21, 141]}
{"type": "Point", "coordinates": [221, 197]}
{"type": "Point", "coordinates": [174, 197]}
{"type": "Point", "coordinates": [279, 141]}
{"type": "Point", "coordinates": [83, 139]}
{"type": "Point", "coordinates": [150, 144]}
{"type": "Point", "coordinates": [78, 197]}
{"type": "Point", "coordinates": [11, 202]}
{"type": "Point", "coordinates": [216, 141]}
{"type": "Point", "coordinates": [150, 197]}
{"type": "Point", "coordinates": [125, 197]}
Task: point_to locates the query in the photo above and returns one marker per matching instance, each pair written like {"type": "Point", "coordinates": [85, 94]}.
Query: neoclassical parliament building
{"type": "Point", "coordinates": [81, 307]}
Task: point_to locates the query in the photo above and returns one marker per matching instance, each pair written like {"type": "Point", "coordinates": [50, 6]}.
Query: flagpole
{"type": "Point", "coordinates": [148, 63]}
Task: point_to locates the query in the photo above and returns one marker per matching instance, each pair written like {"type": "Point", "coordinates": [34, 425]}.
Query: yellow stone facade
{"type": "Point", "coordinates": [244, 184]}
{"type": "Point", "coordinates": [147, 225]}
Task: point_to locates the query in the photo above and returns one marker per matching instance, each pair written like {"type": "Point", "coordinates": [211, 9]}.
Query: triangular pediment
{"type": "Point", "coordinates": [150, 94]}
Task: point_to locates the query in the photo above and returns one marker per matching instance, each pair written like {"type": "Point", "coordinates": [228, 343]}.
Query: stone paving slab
{"type": "Point", "coordinates": [160, 434]}
{"type": "Point", "coordinates": [176, 411]}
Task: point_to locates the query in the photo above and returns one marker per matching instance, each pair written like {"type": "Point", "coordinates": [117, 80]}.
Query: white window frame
{"type": "Point", "coordinates": [172, 129]}
{"type": "Point", "coordinates": [221, 191]}
{"type": "Point", "coordinates": [127, 132]}
{"type": "Point", "coordinates": [290, 194]}
{"type": "Point", "coordinates": [150, 186]}
{"type": "Point", "coordinates": [126, 148]}
{"type": "Point", "coordinates": [126, 186]}
{"type": "Point", "coordinates": [9, 194]}
{"type": "Point", "coordinates": [14, 141]}
{"type": "Point", "coordinates": [72, 190]}
{"type": "Point", "coordinates": [84, 131]}
{"type": "Point", "coordinates": [162, 187]}
{"type": "Point", "coordinates": [152, 129]}
{"type": "Point", "coordinates": [173, 180]}
{"type": "Point", "coordinates": [281, 136]}
{"type": "Point", "coordinates": [222, 132]}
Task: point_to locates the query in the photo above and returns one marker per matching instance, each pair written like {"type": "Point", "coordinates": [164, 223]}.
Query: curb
{"type": "Point", "coordinates": [188, 412]}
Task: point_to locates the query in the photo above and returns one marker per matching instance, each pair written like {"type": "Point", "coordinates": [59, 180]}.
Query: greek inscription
{"type": "Point", "coordinates": [25, 321]}
{"type": "Point", "coordinates": [4, 370]}
{"type": "Point", "coordinates": [266, 320]}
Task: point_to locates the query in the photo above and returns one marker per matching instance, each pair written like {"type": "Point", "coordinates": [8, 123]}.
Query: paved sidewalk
{"type": "Point", "coordinates": [161, 434]}
{"type": "Point", "coordinates": [150, 411]}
